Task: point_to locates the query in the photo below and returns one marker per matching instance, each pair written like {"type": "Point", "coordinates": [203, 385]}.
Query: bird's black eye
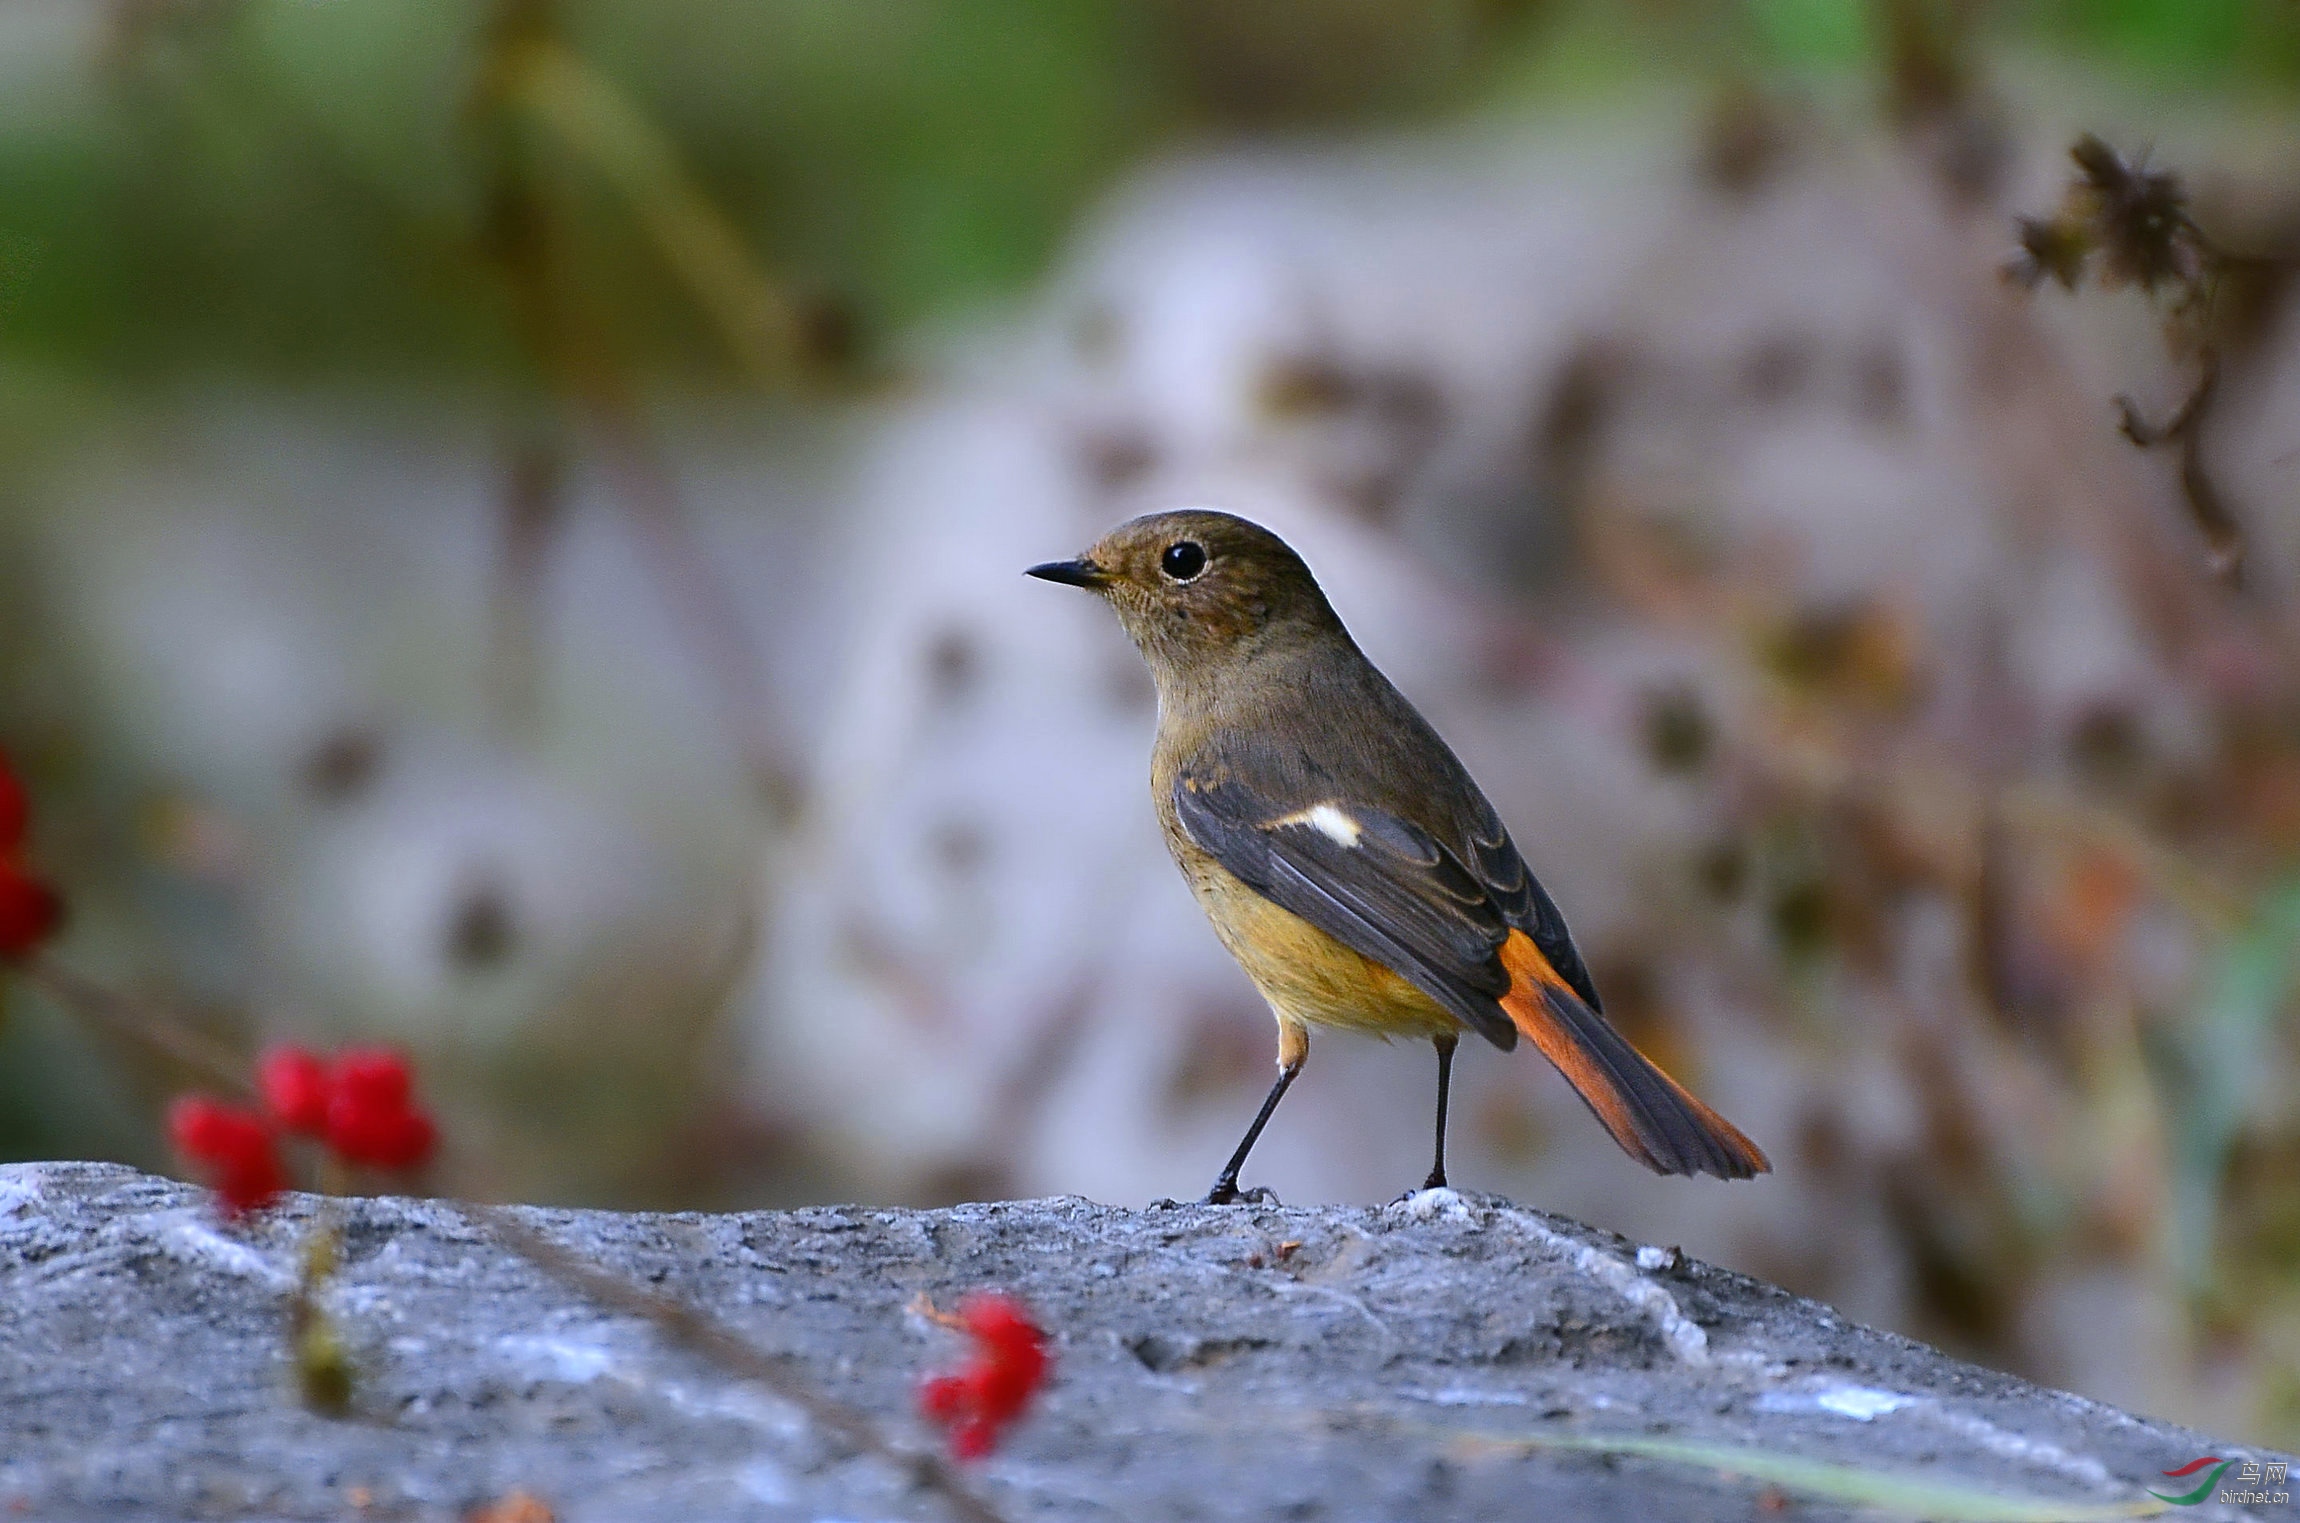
{"type": "Point", "coordinates": [1183, 559]}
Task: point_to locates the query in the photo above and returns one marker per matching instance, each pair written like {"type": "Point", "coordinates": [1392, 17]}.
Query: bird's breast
{"type": "Point", "coordinates": [1305, 974]}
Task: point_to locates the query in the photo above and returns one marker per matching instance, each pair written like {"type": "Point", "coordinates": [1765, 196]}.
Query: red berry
{"type": "Point", "coordinates": [401, 1140]}
{"type": "Point", "coordinates": [943, 1398]}
{"type": "Point", "coordinates": [372, 1078]}
{"type": "Point", "coordinates": [973, 1439]}
{"type": "Point", "coordinates": [1010, 1362]}
{"type": "Point", "coordinates": [296, 1087]}
{"type": "Point", "coordinates": [369, 1119]}
{"type": "Point", "coordinates": [30, 911]}
{"type": "Point", "coordinates": [15, 807]}
{"type": "Point", "coordinates": [199, 1126]}
{"type": "Point", "coordinates": [235, 1149]}
{"type": "Point", "coordinates": [251, 1183]}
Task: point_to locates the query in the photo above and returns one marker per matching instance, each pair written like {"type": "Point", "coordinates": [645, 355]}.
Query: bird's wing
{"type": "Point", "coordinates": [1472, 937]}
{"type": "Point", "coordinates": [1377, 884]}
{"type": "Point", "coordinates": [1518, 894]}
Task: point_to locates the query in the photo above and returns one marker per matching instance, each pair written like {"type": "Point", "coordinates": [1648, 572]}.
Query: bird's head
{"type": "Point", "coordinates": [1199, 590]}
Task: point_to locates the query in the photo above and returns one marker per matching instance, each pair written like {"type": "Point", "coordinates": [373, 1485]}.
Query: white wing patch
{"type": "Point", "coordinates": [1328, 820]}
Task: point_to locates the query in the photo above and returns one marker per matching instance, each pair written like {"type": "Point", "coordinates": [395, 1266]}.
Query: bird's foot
{"type": "Point", "coordinates": [1227, 1193]}
{"type": "Point", "coordinates": [1436, 1181]}
{"type": "Point", "coordinates": [1432, 1201]}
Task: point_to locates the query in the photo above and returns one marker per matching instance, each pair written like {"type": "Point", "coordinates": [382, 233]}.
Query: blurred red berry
{"type": "Point", "coordinates": [373, 1078]}
{"type": "Point", "coordinates": [943, 1398]}
{"type": "Point", "coordinates": [296, 1087]}
{"type": "Point", "coordinates": [973, 1439]}
{"type": "Point", "coordinates": [369, 1117]}
{"type": "Point", "coordinates": [234, 1149]}
{"type": "Point", "coordinates": [382, 1140]}
{"type": "Point", "coordinates": [203, 1128]}
{"type": "Point", "coordinates": [1010, 1363]}
{"type": "Point", "coordinates": [30, 911]}
{"type": "Point", "coordinates": [15, 807]}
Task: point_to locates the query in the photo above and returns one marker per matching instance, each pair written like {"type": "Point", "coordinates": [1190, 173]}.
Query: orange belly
{"type": "Point", "coordinates": [1307, 976]}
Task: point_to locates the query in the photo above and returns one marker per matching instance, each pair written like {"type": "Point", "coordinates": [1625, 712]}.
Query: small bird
{"type": "Point", "coordinates": [1343, 854]}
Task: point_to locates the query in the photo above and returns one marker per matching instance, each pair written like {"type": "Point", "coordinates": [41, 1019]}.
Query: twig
{"type": "Point", "coordinates": [2223, 536]}
{"type": "Point", "coordinates": [528, 72]}
{"type": "Point", "coordinates": [696, 240]}
{"type": "Point", "coordinates": [683, 1323]}
{"type": "Point", "coordinates": [533, 506]}
{"type": "Point", "coordinates": [699, 1332]}
{"type": "Point", "coordinates": [701, 603]}
{"type": "Point", "coordinates": [124, 1016]}
{"type": "Point", "coordinates": [2136, 220]}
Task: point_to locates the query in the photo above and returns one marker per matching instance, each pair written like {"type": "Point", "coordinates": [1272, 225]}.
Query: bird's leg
{"type": "Point", "coordinates": [1226, 1183]}
{"type": "Point", "coordinates": [1293, 1051]}
{"type": "Point", "coordinates": [1445, 1047]}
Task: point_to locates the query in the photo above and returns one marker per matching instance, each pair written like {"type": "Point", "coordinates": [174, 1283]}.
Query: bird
{"type": "Point", "coordinates": [1344, 855]}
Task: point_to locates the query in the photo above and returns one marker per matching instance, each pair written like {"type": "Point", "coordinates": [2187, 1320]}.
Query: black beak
{"type": "Point", "coordinates": [1078, 573]}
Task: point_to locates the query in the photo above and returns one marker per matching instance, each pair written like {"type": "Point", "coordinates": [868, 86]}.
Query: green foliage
{"type": "Point", "coordinates": [2216, 1070]}
{"type": "Point", "coordinates": [290, 186]}
{"type": "Point", "coordinates": [2162, 44]}
{"type": "Point", "coordinates": [2184, 42]}
{"type": "Point", "coordinates": [1812, 33]}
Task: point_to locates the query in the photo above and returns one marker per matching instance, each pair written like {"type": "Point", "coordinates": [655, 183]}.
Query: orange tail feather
{"type": "Point", "coordinates": [1656, 1120]}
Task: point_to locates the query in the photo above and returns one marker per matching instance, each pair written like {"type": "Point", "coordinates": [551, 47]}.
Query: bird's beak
{"type": "Point", "coordinates": [1078, 573]}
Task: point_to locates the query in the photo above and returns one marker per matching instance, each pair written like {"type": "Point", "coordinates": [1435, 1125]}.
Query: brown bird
{"type": "Point", "coordinates": [1343, 854]}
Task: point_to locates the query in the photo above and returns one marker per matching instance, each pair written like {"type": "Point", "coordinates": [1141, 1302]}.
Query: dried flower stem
{"type": "Point", "coordinates": [2223, 536]}
{"type": "Point", "coordinates": [696, 1330]}
{"type": "Point", "coordinates": [2126, 224]}
{"type": "Point", "coordinates": [323, 1367]}
{"type": "Point", "coordinates": [530, 74]}
{"type": "Point", "coordinates": [313, 1335]}
{"type": "Point", "coordinates": [161, 1030]}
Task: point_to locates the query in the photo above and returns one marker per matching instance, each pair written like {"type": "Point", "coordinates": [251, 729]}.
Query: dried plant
{"type": "Point", "coordinates": [360, 1107]}
{"type": "Point", "coordinates": [2123, 224]}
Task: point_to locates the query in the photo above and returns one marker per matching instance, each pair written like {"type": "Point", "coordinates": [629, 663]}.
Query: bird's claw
{"type": "Point", "coordinates": [1228, 1194]}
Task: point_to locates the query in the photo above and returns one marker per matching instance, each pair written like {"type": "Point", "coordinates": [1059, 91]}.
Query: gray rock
{"type": "Point", "coordinates": [1446, 1357]}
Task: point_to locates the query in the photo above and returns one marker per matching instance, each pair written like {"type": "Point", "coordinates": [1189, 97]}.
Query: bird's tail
{"type": "Point", "coordinates": [1654, 1118]}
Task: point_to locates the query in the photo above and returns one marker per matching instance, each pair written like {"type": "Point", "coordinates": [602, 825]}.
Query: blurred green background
{"type": "Point", "coordinates": [504, 509]}
{"type": "Point", "coordinates": [301, 189]}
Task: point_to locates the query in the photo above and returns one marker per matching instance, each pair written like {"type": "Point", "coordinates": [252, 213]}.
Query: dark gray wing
{"type": "Point", "coordinates": [1382, 886]}
{"type": "Point", "coordinates": [1523, 902]}
{"type": "Point", "coordinates": [1440, 916]}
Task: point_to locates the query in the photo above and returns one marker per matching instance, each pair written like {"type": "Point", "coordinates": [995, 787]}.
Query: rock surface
{"type": "Point", "coordinates": [1446, 1357]}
